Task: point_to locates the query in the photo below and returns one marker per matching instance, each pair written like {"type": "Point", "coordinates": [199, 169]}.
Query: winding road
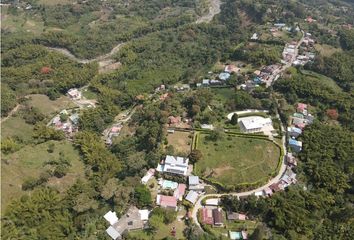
{"type": "Point", "coordinates": [67, 53]}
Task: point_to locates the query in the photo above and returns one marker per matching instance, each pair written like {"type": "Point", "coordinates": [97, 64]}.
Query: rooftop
{"type": "Point", "coordinates": [193, 180]}
{"type": "Point", "coordinates": [192, 196]}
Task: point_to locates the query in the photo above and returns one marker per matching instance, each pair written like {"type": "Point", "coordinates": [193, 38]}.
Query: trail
{"type": "Point", "coordinates": [13, 111]}
{"type": "Point", "coordinates": [213, 10]}
{"type": "Point", "coordinates": [67, 53]}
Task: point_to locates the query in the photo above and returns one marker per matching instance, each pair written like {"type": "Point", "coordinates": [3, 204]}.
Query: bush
{"type": "Point", "coordinates": [60, 171]}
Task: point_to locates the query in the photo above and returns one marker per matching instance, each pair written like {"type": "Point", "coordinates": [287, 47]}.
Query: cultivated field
{"type": "Point", "coordinates": [181, 141]}
{"type": "Point", "coordinates": [29, 162]}
{"type": "Point", "coordinates": [235, 160]}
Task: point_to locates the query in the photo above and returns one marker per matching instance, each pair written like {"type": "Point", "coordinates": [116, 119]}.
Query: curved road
{"type": "Point", "coordinates": [198, 204]}
{"type": "Point", "coordinates": [67, 53]}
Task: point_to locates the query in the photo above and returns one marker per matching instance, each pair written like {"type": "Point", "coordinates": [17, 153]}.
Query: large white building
{"type": "Point", "coordinates": [255, 124]}
{"type": "Point", "coordinates": [176, 165]}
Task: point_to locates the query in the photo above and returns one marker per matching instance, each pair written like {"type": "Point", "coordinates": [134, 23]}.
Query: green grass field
{"type": "Point", "coordinates": [47, 106]}
{"type": "Point", "coordinates": [323, 79]}
{"type": "Point", "coordinates": [16, 126]}
{"type": "Point", "coordinates": [223, 94]}
{"type": "Point", "coordinates": [29, 162]}
{"type": "Point", "coordinates": [235, 160]}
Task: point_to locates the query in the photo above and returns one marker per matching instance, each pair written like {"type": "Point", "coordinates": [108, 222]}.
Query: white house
{"type": "Point", "coordinates": [176, 165]}
{"type": "Point", "coordinates": [255, 124]}
{"type": "Point", "coordinates": [74, 93]}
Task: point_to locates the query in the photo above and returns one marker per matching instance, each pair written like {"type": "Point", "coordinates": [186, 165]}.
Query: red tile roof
{"type": "Point", "coordinates": [207, 217]}
{"type": "Point", "coordinates": [168, 201]}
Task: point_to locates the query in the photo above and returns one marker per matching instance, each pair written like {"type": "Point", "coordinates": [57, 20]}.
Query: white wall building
{"type": "Point", "coordinates": [176, 165]}
{"type": "Point", "coordinates": [255, 124]}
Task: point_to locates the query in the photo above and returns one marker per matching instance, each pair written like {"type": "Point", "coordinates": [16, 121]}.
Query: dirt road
{"type": "Point", "coordinates": [13, 111]}
{"type": "Point", "coordinates": [213, 10]}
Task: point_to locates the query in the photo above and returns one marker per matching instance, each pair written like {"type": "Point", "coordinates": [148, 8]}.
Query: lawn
{"type": "Point", "coordinates": [29, 162]}
{"type": "Point", "coordinates": [47, 106]}
{"type": "Point", "coordinates": [181, 141]}
{"type": "Point", "coordinates": [235, 160]}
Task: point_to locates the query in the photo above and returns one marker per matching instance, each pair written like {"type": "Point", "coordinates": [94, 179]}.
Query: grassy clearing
{"type": "Point", "coordinates": [181, 141]}
{"type": "Point", "coordinates": [323, 79]}
{"type": "Point", "coordinates": [56, 2]}
{"type": "Point", "coordinates": [16, 127]}
{"type": "Point", "coordinates": [47, 106]}
{"type": "Point", "coordinates": [326, 50]}
{"type": "Point", "coordinates": [87, 93]}
{"type": "Point", "coordinates": [235, 160]}
{"type": "Point", "coordinates": [223, 94]}
{"type": "Point", "coordinates": [163, 231]}
{"type": "Point", "coordinates": [236, 226]}
{"type": "Point", "coordinates": [29, 162]}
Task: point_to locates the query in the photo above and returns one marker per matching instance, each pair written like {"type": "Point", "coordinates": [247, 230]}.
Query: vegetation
{"type": "Point", "coordinates": [243, 160]}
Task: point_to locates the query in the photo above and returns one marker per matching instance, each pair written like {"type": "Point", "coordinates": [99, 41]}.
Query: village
{"type": "Point", "coordinates": [174, 183]}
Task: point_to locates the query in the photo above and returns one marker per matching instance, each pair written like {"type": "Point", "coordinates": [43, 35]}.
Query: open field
{"type": "Point", "coordinates": [56, 2]}
{"type": "Point", "coordinates": [235, 160]}
{"type": "Point", "coordinates": [223, 94]}
{"type": "Point", "coordinates": [29, 162]}
{"type": "Point", "coordinates": [180, 141]}
{"type": "Point", "coordinates": [236, 226]}
{"type": "Point", "coordinates": [323, 79]}
{"type": "Point", "coordinates": [47, 106]}
{"type": "Point", "coordinates": [16, 126]}
{"type": "Point", "coordinates": [163, 231]}
{"type": "Point", "coordinates": [326, 50]}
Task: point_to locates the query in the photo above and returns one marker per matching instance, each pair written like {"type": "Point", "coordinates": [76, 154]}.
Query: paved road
{"type": "Point", "coordinates": [198, 204]}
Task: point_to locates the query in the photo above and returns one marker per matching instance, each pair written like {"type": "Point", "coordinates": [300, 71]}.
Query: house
{"type": "Point", "coordinates": [294, 131]}
{"type": "Point", "coordinates": [301, 108]}
{"type": "Point", "coordinates": [259, 194]}
{"type": "Point", "coordinates": [224, 76]}
{"type": "Point", "coordinates": [167, 184]}
{"type": "Point", "coordinates": [290, 159]}
{"type": "Point", "coordinates": [207, 216]}
{"type": "Point", "coordinates": [74, 93]}
{"type": "Point", "coordinates": [267, 191]}
{"type": "Point", "coordinates": [180, 191]}
{"type": "Point", "coordinates": [289, 177]}
{"type": "Point", "coordinates": [257, 72]}
{"type": "Point", "coordinates": [134, 219]}
{"type": "Point", "coordinates": [194, 184]}
{"type": "Point", "coordinates": [296, 146]}
{"type": "Point", "coordinates": [205, 82]}
{"type": "Point", "coordinates": [276, 187]}
{"type": "Point", "coordinates": [236, 216]}
{"type": "Point", "coordinates": [212, 202]}
{"type": "Point", "coordinates": [74, 118]}
{"type": "Point", "coordinates": [192, 197]}
{"type": "Point", "coordinates": [147, 176]}
{"type": "Point", "coordinates": [254, 124]}
{"type": "Point", "coordinates": [279, 25]}
{"type": "Point", "coordinates": [175, 165]}
{"type": "Point", "coordinates": [215, 82]}
{"type": "Point", "coordinates": [167, 201]}
{"type": "Point", "coordinates": [164, 96]}
{"type": "Point", "coordinates": [174, 120]}
{"type": "Point", "coordinates": [231, 69]}
{"type": "Point", "coordinates": [207, 126]}
{"type": "Point", "coordinates": [254, 36]}
{"type": "Point", "coordinates": [238, 235]}
{"type": "Point", "coordinates": [217, 216]}
{"type": "Point", "coordinates": [309, 118]}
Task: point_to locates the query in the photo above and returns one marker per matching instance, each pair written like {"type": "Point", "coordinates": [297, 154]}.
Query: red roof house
{"type": "Point", "coordinates": [301, 107]}
{"type": "Point", "coordinates": [180, 191]}
{"type": "Point", "coordinates": [174, 120]}
{"type": "Point", "coordinates": [207, 216]}
{"type": "Point", "coordinates": [166, 201]}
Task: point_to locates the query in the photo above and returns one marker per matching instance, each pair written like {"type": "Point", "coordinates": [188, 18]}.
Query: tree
{"type": "Point", "coordinates": [234, 119]}
{"type": "Point", "coordinates": [8, 100]}
{"type": "Point", "coordinates": [195, 156]}
{"type": "Point", "coordinates": [142, 196]}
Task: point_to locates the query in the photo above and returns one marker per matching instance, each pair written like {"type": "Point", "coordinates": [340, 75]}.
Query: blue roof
{"type": "Point", "coordinates": [235, 235]}
{"type": "Point", "coordinates": [294, 142]}
{"type": "Point", "coordinates": [224, 76]}
{"type": "Point", "coordinates": [169, 184]}
{"type": "Point", "coordinates": [297, 130]}
{"type": "Point", "coordinates": [257, 80]}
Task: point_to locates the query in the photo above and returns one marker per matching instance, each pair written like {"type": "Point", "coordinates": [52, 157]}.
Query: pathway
{"type": "Point", "coordinates": [13, 111]}
{"type": "Point", "coordinates": [213, 10]}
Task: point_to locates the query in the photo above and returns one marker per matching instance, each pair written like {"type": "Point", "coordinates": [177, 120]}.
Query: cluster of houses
{"type": "Point", "coordinates": [307, 51]}
{"type": "Point", "coordinates": [283, 27]}
{"type": "Point", "coordinates": [67, 121]}
{"type": "Point", "coordinates": [211, 214]}
{"type": "Point", "coordinates": [177, 166]}
{"type": "Point", "coordinates": [299, 121]}
{"type": "Point", "coordinates": [133, 219]}
{"type": "Point", "coordinates": [267, 74]}
{"type": "Point", "coordinates": [290, 52]}
{"type": "Point", "coordinates": [222, 78]}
